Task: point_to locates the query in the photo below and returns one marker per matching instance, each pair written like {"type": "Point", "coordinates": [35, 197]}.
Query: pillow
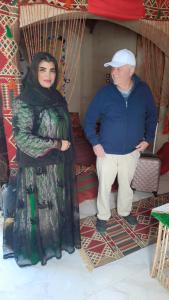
{"type": "Point", "coordinates": [74, 116]}
{"type": "Point", "coordinates": [163, 154]}
{"type": "Point", "coordinates": [78, 132]}
{"type": "Point", "coordinates": [84, 152]}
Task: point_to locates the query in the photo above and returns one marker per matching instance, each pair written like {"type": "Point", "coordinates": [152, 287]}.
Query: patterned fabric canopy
{"type": "Point", "coordinates": [135, 9]}
{"type": "Point", "coordinates": [130, 10]}
{"type": "Point", "coordinates": [65, 4]}
{"type": "Point", "coordinates": [156, 9]}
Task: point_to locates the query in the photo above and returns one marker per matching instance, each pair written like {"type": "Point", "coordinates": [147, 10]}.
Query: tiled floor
{"type": "Point", "coordinates": [69, 279]}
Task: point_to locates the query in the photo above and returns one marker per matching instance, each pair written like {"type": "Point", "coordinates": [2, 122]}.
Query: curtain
{"type": "Point", "coordinates": [150, 66]}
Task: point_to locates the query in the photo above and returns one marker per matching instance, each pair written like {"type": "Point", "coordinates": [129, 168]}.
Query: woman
{"type": "Point", "coordinates": [47, 216]}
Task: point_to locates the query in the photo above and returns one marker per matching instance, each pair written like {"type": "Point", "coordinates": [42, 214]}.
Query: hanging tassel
{"type": "Point", "coordinates": [159, 14]}
{"type": "Point", "coordinates": [68, 3]}
{"type": "Point", "coordinates": [14, 2]}
{"type": "Point", "coordinates": [8, 32]}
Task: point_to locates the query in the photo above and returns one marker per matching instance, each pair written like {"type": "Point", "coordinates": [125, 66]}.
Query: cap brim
{"type": "Point", "coordinates": [114, 64]}
{"type": "Point", "coordinates": [108, 64]}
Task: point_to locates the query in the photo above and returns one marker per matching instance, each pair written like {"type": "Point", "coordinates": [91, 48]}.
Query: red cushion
{"type": "Point", "coordinates": [87, 186]}
{"type": "Point", "coordinates": [78, 132]}
{"type": "Point", "coordinates": [75, 119]}
{"type": "Point", "coordinates": [84, 152]}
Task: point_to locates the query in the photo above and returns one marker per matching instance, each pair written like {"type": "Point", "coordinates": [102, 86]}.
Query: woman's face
{"type": "Point", "coordinates": [46, 74]}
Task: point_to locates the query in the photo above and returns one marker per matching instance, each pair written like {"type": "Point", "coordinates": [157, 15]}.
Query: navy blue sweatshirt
{"type": "Point", "coordinates": [122, 125]}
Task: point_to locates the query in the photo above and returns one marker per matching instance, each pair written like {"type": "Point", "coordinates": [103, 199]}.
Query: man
{"type": "Point", "coordinates": [127, 115]}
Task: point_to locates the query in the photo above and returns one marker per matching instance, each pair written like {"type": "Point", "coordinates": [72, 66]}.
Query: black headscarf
{"type": "Point", "coordinates": [33, 93]}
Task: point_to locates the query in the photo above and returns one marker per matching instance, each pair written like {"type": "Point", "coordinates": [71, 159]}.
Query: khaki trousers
{"type": "Point", "coordinates": [107, 168]}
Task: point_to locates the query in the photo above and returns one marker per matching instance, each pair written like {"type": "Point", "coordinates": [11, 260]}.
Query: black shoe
{"type": "Point", "coordinates": [101, 226]}
{"type": "Point", "coordinates": [131, 220]}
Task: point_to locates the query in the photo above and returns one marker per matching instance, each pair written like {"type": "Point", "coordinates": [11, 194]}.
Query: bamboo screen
{"type": "Point", "coordinates": [59, 32]}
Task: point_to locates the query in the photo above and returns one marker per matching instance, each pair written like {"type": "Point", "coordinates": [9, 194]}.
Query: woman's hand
{"type": "Point", "coordinates": [61, 145]}
{"type": "Point", "coordinates": [65, 145]}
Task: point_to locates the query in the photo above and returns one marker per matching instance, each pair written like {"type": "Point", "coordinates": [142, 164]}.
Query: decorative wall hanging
{"type": "Point", "coordinates": [156, 9]}
{"type": "Point", "coordinates": [9, 74]}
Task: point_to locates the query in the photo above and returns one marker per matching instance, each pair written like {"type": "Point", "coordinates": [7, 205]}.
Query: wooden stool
{"type": "Point", "coordinates": [160, 268]}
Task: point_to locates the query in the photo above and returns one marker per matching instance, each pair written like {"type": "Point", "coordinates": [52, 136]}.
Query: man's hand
{"type": "Point", "coordinates": [142, 146]}
{"type": "Point", "coordinates": [98, 150]}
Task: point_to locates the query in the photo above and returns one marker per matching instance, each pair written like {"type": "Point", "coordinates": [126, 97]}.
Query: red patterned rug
{"type": "Point", "coordinates": [121, 238]}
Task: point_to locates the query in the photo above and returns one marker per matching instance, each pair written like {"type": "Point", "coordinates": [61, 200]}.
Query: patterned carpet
{"type": "Point", "coordinates": [121, 238]}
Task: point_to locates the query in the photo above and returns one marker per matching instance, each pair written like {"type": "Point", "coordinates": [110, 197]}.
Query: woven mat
{"type": "Point", "coordinates": [121, 238]}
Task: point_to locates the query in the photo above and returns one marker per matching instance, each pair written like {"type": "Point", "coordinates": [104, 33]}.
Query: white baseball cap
{"type": "Point", "coordinates": [121, 58]}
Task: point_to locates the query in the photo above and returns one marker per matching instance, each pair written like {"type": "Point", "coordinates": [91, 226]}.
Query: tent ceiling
{"type": "Point", "coordinates": [156, 31]}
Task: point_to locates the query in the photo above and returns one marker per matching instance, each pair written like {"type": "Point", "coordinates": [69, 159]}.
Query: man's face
{"type": "Point", "coordinates": [121, 76]}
